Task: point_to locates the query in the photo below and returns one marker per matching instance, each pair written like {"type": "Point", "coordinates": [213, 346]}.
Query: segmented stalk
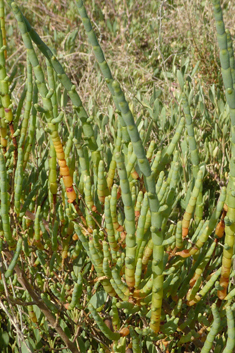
{"type": "Point", "coordinates": [106, 251]}
{"type": "Point", "coordinates": [230, 198]}
{"type": "Point", "coordinates": [5, 202]}
{"type": "Point", "coordinates": [147, 253]}
{"type": "Point", "coordinates": [83, 166]}
{"type": "Point", "coordinates": [179, 242]}
{"type": "Point", "coordinates": [129, 222]}
{"type": "Point", "coordinates": [136, 343]}
{"type": "Point", "coordinates": [130, 164]}
{"type": "Point", "coordinates": [228, 246]}
{"type": "Point", "coordinates": [193, 291]}
{"type": "Point", "coordinates": [28, 104]}
{"type": "Point", "coordinates": [191, 204]}
{"type": "Point", "coordinates": [54, 243]}
{"type": "Point", "coordinates": [113, 336]}
{"type": "Point", "coordinates": [14, 260]}
{"type": "Point", "coordinates": [89, 203]}
{"type": "Point", "coordinates": [102, 187]}
{"type": "Point", "coordinates": [77, 292]}
{"type": "Point", "coordinates": [106, 268]}
{"type": "Point", "coordinates": [208, 227]}
{"type": "Point", "coordinates": [32, 127]}
{"type": "Point", "coordinates": [97, 260]}
{"type": "Point", "coordinates": [47, 105]}
{"type": "Point", "coordinates": [120, 284]}
{"type": "Point", "coordinates": [203, 264]}
{"type": "Point", "coordinates": [143, 227]}
{"type": "Point", "coordinates": [52, 179]}
{"type": "Point", "coordinates": [230, 343]}
{"type": "Point", "coordinates": [3, 128]}
{"type": "Point", "coordinates": [19, 177]}
{"type": "Point", "coordinates": [64, 169]}
{"type": "Point", "coordinates": [99, 55]}
{"type": "Point", "coordinates": [5, 95]}
{"type": "Point", "coordinates": [3, 29]}
{"type": "Point", "coordinates": [52, 86]}
{"type": "Point", "coordinates": [113, 209]}
{"type": "Point", "coordinates": [115, 315]}
{"type": "Point", "coordinates": [206, 289]}
{"type": "Point", "coordinates": [160, 161]}
{"type": "Point", "coordinates": [191, 136]}
{"type": "Point", "coordinates": [110, 229]}
{"type": "Point", "coordinates": [213, 330]}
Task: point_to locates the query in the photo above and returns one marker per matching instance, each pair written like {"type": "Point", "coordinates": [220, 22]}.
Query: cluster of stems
{"type": "Point", "coordinates": [106, 232]}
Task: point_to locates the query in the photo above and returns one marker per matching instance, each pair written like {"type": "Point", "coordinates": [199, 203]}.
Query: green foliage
{"type": "Point", "coordinates": [111, 227]}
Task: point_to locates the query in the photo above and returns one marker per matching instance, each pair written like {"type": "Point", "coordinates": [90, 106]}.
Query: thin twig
{"type": "Point", "coordinates": [19, 333]}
